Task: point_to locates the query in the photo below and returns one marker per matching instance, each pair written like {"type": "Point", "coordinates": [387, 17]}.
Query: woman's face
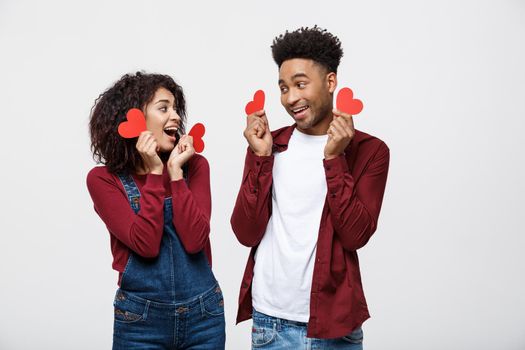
{"type": "Point", "coordinates": [162, 119]}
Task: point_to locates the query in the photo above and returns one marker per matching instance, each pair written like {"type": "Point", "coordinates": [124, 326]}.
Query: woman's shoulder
{"type": "Point", "coordinates": [198, 166]}
{"type": "Point", "coordinates": [99, 175]}
{"type": "Point", "coordinates": [198, 161]}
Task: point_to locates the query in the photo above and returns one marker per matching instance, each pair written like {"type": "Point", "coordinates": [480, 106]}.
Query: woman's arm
{"type": "Point", "coordinates": [192, 205]}
{"type": "Point", "coordinates": [141, 232]}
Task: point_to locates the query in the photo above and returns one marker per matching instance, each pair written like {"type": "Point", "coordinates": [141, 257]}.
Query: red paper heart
{"type": "Point", "coordinates": [347, 103]}
{"type": "Point", "coordinates": [197, 132]}
{"type": "Point", "coordinates": [134, 126]}
{"type": "Point", "coordinates": [257, 104]}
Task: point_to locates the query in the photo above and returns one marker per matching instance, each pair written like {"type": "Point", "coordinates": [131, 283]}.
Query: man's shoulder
{"type": "Point", "coordinates": [367, 142]}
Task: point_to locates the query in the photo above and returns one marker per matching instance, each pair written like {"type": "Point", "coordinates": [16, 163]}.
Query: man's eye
{"type": "Point", "coordinates": [301, 85]}
{"type": "Point", "coordinates": [164, 109]}
{"type": "Point", "coordinates": [283, 90]}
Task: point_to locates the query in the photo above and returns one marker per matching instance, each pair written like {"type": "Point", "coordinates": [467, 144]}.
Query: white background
{"type": "Point", "coordinates": [443, 84]}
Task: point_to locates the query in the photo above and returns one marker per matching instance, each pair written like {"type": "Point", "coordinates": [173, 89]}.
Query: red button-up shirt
{"type": "Point", "coordinates": [355, 186]}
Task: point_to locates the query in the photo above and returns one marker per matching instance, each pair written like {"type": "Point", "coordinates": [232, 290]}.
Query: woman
{"type": "Point", "coordinates": [153, 194]}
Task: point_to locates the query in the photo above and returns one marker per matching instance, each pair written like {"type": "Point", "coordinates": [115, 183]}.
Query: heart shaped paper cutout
{"type": "Point", "coordinates": [347, 103]}
{"type": "Point", "coordinates": [257, 104]}
{"type": "Point", "coordinates": [197, 132]}
{"type": "Point", "coordinates": [135, 124]}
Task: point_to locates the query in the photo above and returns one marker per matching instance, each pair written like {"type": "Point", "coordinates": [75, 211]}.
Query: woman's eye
{"type": "Point", "coordinates": [301, 85]}
{"type": "Point", "coordinates": [164, 109]}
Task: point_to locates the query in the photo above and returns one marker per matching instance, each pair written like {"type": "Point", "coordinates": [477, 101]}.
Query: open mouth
{"type": "Point", "coordinates": [300, 112]}
{"type": "Point", "coordinates": [171, 131]}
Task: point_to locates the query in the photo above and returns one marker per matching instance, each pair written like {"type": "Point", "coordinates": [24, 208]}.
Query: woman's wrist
{"type": "Point", "coordinates": [176, 173]}
{"type": "Point", "coordinates": [157, 170]}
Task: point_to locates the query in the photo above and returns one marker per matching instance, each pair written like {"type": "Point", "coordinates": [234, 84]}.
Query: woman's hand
{"type": "Point", "coordinates": [182, 152]}
{"type": "Point", "coordinates": [147, 147]}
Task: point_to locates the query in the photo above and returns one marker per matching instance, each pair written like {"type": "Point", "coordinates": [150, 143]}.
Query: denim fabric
{"type": "Point", "coordinates": [274, 333]}
{"type": "Point", "coordinates": [172, 301]}
{"type": "Point", "coordinates": [197, 324]}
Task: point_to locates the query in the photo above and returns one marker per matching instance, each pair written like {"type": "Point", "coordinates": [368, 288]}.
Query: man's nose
{"type": "Point", "coordinates": [292, 97]}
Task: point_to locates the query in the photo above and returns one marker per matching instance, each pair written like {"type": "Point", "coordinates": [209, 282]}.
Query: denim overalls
{"type": "Point", "coordinates": [169, 302]}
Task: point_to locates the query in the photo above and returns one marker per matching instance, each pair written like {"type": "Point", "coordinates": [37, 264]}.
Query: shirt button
{"type": "Point", "coordinates": [258, 163]}
{"type": "Point", "coordinates": [333, 195]}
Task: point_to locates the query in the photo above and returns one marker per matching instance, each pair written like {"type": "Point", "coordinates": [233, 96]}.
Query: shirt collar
{"type": "Point", "coordinates": [281, 137]}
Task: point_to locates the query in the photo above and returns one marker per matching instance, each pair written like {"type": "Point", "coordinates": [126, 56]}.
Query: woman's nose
{"type": "Point", "coordinates": [175, 116]}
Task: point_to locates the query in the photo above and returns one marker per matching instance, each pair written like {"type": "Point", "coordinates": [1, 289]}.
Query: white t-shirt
{"type": "Point", "coordinates": [284, 260]}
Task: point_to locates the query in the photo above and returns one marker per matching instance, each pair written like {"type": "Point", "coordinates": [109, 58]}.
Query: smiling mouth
{"type": "Point", "coordinates": [300, 111]}
{"type": "Point", "coordinates": [172, 131]}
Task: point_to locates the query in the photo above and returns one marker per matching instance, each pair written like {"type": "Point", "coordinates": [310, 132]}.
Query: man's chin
{"type": "Point", "coordinates": [303, 124]}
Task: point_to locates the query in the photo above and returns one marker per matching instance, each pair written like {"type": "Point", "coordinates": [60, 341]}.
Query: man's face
{"type": "Point", "coordinates": [307, 94]}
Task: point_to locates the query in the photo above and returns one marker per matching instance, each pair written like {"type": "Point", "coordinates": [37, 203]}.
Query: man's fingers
{"type": "Point", "coordinates": [266, 123]}
{"type": "Point", "coordinates": [338, 129]}
{"type": "Point", "coordinates": [348, 117]}
{"type": "Point", "coordinates": [346, 121]}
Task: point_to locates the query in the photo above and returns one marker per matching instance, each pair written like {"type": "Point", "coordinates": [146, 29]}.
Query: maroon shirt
{"type": "Point", "coordinates": [142, 232]}
{"type": "Point", "coordinates": [355, 187]}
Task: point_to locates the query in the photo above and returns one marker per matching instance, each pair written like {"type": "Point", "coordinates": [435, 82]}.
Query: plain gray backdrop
{"type": "Point", "coordinates": [443, 84]}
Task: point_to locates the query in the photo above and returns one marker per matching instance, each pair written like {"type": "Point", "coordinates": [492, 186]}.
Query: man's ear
{"type": "Point", "coordinates": [331, 81]}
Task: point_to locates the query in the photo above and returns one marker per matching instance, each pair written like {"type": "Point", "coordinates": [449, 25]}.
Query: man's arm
{"type": "Point", "coordinates": [253, 206]}
{"type": "Point", "coordinates": [354, 208]}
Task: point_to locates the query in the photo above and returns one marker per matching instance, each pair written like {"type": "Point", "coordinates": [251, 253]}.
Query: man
{"type": "Point", "coordinates": [310, 197]}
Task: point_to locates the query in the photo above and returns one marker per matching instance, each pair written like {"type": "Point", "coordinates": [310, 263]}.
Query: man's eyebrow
{"type": "Point", "coordinates": [299, 75]}
{"type": "Point", "coordinates": [295, 76]}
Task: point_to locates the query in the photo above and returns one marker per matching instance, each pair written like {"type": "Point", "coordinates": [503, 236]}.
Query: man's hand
{"type": "Point", "coordinates": [257, 133]}
{"type": "Point", "coordinates": [340, 133]}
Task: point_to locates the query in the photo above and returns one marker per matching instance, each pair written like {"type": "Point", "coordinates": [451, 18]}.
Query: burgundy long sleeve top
{"type": "Point", "coordinates": [142, 232]}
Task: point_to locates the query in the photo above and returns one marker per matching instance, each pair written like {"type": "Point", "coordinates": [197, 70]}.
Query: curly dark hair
{"type": "Point", "coordinates": [110, 108]}
{"type": "Point", "coordinates": [313, 43]}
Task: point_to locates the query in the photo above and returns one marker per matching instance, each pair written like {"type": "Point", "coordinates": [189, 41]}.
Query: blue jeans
{"type": "Point", "coordinates": [273, 333]}
{"type": "Point", "coordinates": [197, 324]}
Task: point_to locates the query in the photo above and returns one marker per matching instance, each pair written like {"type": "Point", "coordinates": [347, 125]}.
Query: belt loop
{"type": "Point", "coordinates": [201, 303]}
{"type": "Point", "coordinates": [146, 308]}
{"type": "Point", "coordinates": [277, 324]}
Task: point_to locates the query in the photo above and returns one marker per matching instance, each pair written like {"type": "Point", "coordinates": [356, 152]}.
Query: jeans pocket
{"type": "Point", "coordinates": [356, 337]}
{"type": "Point", "coordinates": [126, 316]}
{"type": "Point", "coordinates": [213, 305]}
{"type": "Point", "coordinates": [128, 311]}
{"type": "Point", "coordinates": [263, 334]}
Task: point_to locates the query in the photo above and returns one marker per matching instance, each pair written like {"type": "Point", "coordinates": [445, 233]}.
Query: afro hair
{"type": "Point", "coordinates": [314, 43]}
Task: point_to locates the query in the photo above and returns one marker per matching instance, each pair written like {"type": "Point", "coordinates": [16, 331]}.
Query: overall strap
{"type": "Point", "coordinates": [131, 190]}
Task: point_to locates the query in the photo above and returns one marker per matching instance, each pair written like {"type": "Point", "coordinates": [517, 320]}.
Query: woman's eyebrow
{"type": "Point", "coordinates": [160, 101]}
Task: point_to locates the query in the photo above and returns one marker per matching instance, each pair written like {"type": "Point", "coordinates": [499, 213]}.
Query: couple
{"type": "Point", "coordinates": [310, 197]}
